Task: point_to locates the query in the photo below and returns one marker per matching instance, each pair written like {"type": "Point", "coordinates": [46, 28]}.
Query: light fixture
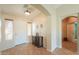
{"type": "Point", "coordinates": [27, 12]}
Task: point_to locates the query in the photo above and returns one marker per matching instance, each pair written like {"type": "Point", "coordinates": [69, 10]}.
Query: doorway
{"type": "Point", "coordinates": [29, 31]}
{"type": "Point", "coordinates": [69, 33]}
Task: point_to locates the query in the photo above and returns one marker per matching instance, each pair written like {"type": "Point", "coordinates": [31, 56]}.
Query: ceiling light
{"type": "Point", "coordinates": [27, 12]}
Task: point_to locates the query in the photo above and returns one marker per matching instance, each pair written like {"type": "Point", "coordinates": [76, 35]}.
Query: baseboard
{"type": "Point", "coordinates": [22, 43]}
{"type": "Point", "coordinates": [49, 50]}
{"type": "Point", "coordinates": [6, 48]}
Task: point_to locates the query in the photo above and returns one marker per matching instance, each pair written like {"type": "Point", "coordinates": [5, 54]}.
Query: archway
{"type": "Point", "coordinates": [69, 33]}
{"type": "Point", "coordinates": [47, 43]}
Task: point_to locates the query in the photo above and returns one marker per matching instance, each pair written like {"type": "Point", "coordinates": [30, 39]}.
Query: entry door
{"type": "Point", "coordinates": [72, 32]}
{"type": "Point", "coordinates": [8, 30]}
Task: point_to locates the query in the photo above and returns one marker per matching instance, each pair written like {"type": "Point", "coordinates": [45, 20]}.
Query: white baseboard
{"type": "Point", "coordinates": [49, 50]}
{"type": "Point", "coordinates": [6, 48]}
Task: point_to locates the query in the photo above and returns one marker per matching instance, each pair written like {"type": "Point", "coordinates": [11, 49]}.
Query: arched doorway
{"type": "Point", "coordinates": [69, 33]}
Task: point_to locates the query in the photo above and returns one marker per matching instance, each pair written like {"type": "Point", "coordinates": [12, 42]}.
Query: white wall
{"type": "Point", "coordinates": [49, 30]}
{"type": "Point", "coordinates": [62, 12]}
{"type": "Point", "coordinates": [5, 43]}
{"type": "Point", "coordinates": [55, 22]}
{"type": "Point", "coordinates": [37, 21]}
{"type": "Point", "coordinates": [51, 27]}
{"type": "Point", "coordinates": [20, 32]}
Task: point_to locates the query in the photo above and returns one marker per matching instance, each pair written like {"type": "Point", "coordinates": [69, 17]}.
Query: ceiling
{"type": "Point", "coordinates": [52, 6]}
{"type": "Point", "coordinates": [18, 9]}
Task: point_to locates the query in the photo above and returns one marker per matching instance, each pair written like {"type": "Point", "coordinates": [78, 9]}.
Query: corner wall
{"type": "Point", "coordinates": [52, 28]}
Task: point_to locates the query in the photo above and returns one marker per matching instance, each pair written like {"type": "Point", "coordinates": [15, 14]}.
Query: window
{"type": "Point", "coordinates": [76, 29]}
{"type": "Point", "coordinates": [8, 29]}
{"type": "Point", "coordinates": [29, 27]}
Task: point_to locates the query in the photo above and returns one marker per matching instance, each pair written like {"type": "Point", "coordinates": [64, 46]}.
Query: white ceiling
{"type": "Point", "coordinates": [56, 5]}
{"type": "Point", "coordinates": [52, 6]}
{"type": "Point", "coordinates": [18, 9]}
{"type": "Point", "coordinates": [12, 9]}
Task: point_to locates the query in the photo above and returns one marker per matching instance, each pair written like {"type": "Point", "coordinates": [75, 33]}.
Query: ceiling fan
{"type": "Point", "coordinates": [27, 9]}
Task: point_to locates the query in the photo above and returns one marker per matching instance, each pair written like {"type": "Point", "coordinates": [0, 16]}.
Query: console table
{"type": "Point", "coordinates": [37, 41]}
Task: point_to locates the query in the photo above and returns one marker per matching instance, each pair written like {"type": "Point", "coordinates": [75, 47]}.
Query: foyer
{"type": "Point", "coordinates": [23, 25]}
